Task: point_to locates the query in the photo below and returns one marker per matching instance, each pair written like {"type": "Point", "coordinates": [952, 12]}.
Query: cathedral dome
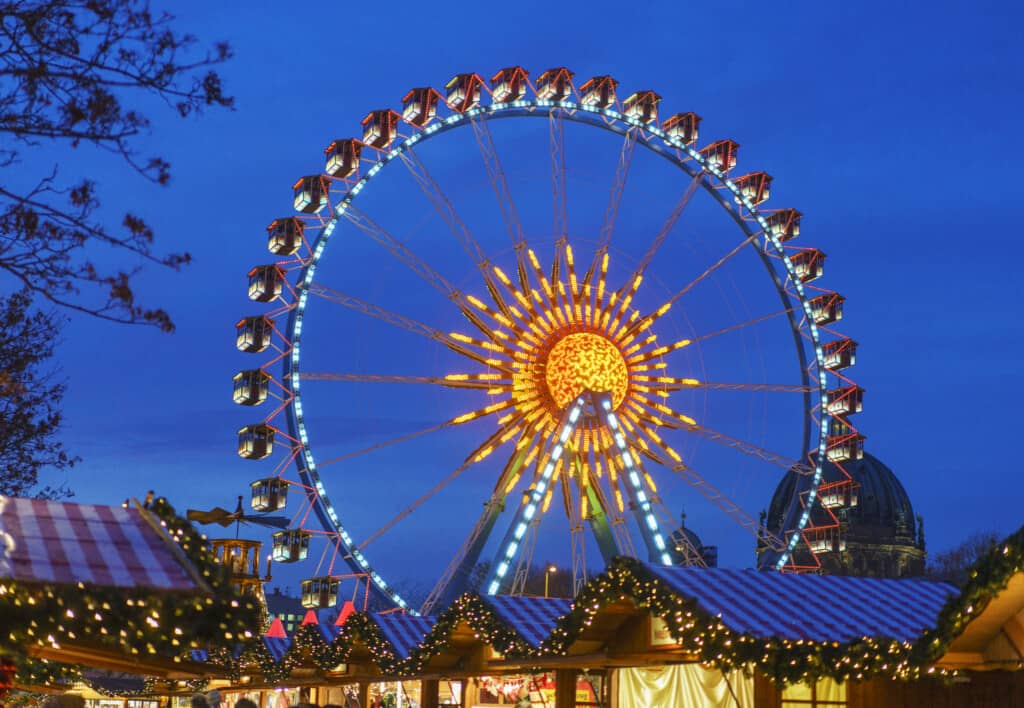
{"type": "Point", "coordinates": [881, 535]}
{"type": "Point", "coordinates": [688, 546]}
{"type": "Point", "coordinates": [882, 502]}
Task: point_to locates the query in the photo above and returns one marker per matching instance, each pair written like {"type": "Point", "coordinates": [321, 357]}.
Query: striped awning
{"type": "Point", "coordinates": [277, 647]}
{"type": "Point", "coordinates": [532, 618]}
{"type": "Point", "coordinates": [817, 608]}
{"type": "Point", "coordinates": [59, 542]}
{"type": "Point", "coordinates": [404, 632]}
{"type": "Point", "coordinates": [328, 631]}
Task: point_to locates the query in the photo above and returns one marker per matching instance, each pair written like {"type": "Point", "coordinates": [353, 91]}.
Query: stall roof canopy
{"type": "Point", "coordinates": [404, 632]}
{"type": "Point", "coordinates": [817, 608]}
{"type": "Point", "coordinates": [532, 618]}
{"type": "Point", "coordinates": [59, 542]}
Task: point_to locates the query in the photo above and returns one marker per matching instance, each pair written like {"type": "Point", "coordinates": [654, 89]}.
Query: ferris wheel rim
{"type": "Point", "coordinates": [569, 110]}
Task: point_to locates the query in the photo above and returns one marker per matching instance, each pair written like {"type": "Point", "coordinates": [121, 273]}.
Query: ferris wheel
{"type": "Point", "coordinates": [494, 291]}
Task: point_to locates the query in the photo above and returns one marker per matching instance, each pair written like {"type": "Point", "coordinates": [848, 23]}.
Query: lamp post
{"type": "Point", "coordinates": [547, 576]}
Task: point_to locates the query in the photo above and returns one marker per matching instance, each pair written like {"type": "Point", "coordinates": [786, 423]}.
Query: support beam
{"type": "Point", "coordinates": [565, 688]}
{"type": "Point", "coordinates": [429, 693]}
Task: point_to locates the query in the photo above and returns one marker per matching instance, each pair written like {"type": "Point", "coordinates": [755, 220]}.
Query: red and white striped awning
{"type": "Point", "coordinates": [58, 542]}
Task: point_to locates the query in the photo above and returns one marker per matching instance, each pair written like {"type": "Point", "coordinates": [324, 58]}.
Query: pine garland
{"type": "Point", "coordinates": [139, 622]}
{"type": "Point", "coordinates": [706, 636]}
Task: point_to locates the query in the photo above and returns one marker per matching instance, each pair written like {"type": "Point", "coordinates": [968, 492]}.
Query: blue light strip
{"type": "Point", "coordinates": [529, 510]}
{"type": "Point", "coordinates": [603, 405]}
{"type": "Point", "coordinates": [519, 107]}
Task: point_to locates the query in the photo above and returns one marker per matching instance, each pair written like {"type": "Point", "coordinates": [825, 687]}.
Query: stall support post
{"type": "Point", "coordinates": [565, 688]}
{"type": "Point", "coordinates": [429, 693]}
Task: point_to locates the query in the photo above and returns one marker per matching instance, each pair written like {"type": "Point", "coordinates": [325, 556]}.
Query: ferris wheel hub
{"type": "Point", "coordinates": [584, 361]}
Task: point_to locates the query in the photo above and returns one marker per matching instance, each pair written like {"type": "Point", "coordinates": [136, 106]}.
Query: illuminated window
{"type": "Point", "coordinates": [825, 692]}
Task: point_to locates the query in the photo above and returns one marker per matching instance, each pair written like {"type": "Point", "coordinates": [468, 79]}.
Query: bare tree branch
{"type": "Point", "coordinates": [71, 72]}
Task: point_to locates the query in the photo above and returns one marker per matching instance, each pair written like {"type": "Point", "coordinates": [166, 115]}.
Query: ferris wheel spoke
{"type": "Point", "coordinates": [453, 342]}
{"type": "Point", "coordinates": [400, 251]}
{"type": "Point", "coordinates": [559, 210]}
{"type": "Point", "coordinates": [417, 265]}
{"type": "Point", "coordinates": [453, 579]}
{"type": "Point", "coordinates": [615, 198]}
{"type": "Point", "coordinates": [499, 438]}
{"type": "Point", "coordinates": [469, 381]}
{"type": "Point", "coordinates": [606, 520]}
{"type": "Point", "coordinates": [716, 497]}
{"type": "Point", "coordinates": [670, 383]}
{"type": "Point", "coordinates": [661, 311]}
{"type": "Point", "coordinates": [499, 183]}
{"type": "Point", "coordinates": [658, 414]}
{"type": "Point", "coordinates": [375, 311]}
{"type": "Point", "coordinates": [388, 443]}
{"type": "Point", "coordinates": [457, 420]}
{"type": "Point", "coordinates": [747, 448]}
{"type": "Point", "coordinates": [666, 227]}
{"type": "Point", "coordinates": [742, 325]}
{"type": "Point", "coordinates": [444, 207]}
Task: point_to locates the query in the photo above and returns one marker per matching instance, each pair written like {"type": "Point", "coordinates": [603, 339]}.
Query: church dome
{"type": "Point", "coordinates": [882, 503]}
{"type": "Point", "coordinates": [686, 542]}
{"type": "Point", "coordinates": [878, 536]}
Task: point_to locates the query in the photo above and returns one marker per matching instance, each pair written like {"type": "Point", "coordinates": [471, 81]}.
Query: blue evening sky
{"type": "Point", "coordinates": [893, 126]}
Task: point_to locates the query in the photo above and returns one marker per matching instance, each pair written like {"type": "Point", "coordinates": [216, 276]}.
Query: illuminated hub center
{"type": "Point", "coordinates": [586, 362]}
{"type": "Point", "coordinates": [544, 340]}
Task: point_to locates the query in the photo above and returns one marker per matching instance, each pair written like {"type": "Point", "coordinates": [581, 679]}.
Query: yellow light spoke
{"type": "Point", "coordinates": [660, 351]}
{"type": "Point", "coordinates": [481, 412]}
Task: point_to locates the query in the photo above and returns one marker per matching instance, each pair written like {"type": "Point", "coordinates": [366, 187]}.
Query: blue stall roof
{"type": "Point", "coordinates": [532, 618]}
{"type": "Point", "coordinates": [405, 632]}
{"type": "Point", "coordinates": [817, 608]}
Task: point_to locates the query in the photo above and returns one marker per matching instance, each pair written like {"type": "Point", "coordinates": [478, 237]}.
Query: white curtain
{"type": "Point", "coordinates": [684, 686]}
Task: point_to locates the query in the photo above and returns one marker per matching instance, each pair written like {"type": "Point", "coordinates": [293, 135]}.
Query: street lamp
{"type": "Point", "coordinates": [547, 575]}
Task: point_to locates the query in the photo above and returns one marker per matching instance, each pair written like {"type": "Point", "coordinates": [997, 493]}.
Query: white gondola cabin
{"type": "Point", "coordinates": [255, 442]}
{"type": "Point", "coordinates": [253, 334]}
{"type": "Point", "coordinates": [509, 84]}
{"type": "Point", "coordinates": [419, 106]}
{"type": "Point", "coordinates": [599, 92]}
{"type": "Point", "coordinates": [784, 224]}
{"type": "Point", "coordinates": [808, 264]}
{"type": "Point", "coordinates": [380, 128]}
{"type": "Point", "coordinates": [250, 387]}
{"type": "Point", "coordinates": [683, 127]}
{"type": "Point", "coordinates": [846, 400]}
{"type": "Point", "coordinates": [290, 545]}
{"type": "Point", "coordinates": [310, 194]}
{"type": "Point", "coordinates": [837, 495]}
{"type": "Point", "coordinates": [827, 308]}
{"type": "Point", "coordinates": [754, 187]}
{"type": "Point", "coordinates": [721, 155]}
{"type": "Point", "coordinates": [284, 235]}
{"type": "Point", "coordinates": [824, 540]}
{"type": "Point", "coordinates": [642, 106]}
{"type": "Point", "coordinates": [320, 593]}
{"type": "Point", "coordinates": [463, 92]}
{"type": "Point", "coordinates": [341, 157]}
{"type": "Point", "coordinates": [843, 442]}
{"type": "Point", "coordinates": [839, 354]}
{"type": "Point", "coordinates": [269, 494]}
{"type": "Point", "coordinates": [265, 283]}
{"type": "Point", "coordinates": [554, 84]}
